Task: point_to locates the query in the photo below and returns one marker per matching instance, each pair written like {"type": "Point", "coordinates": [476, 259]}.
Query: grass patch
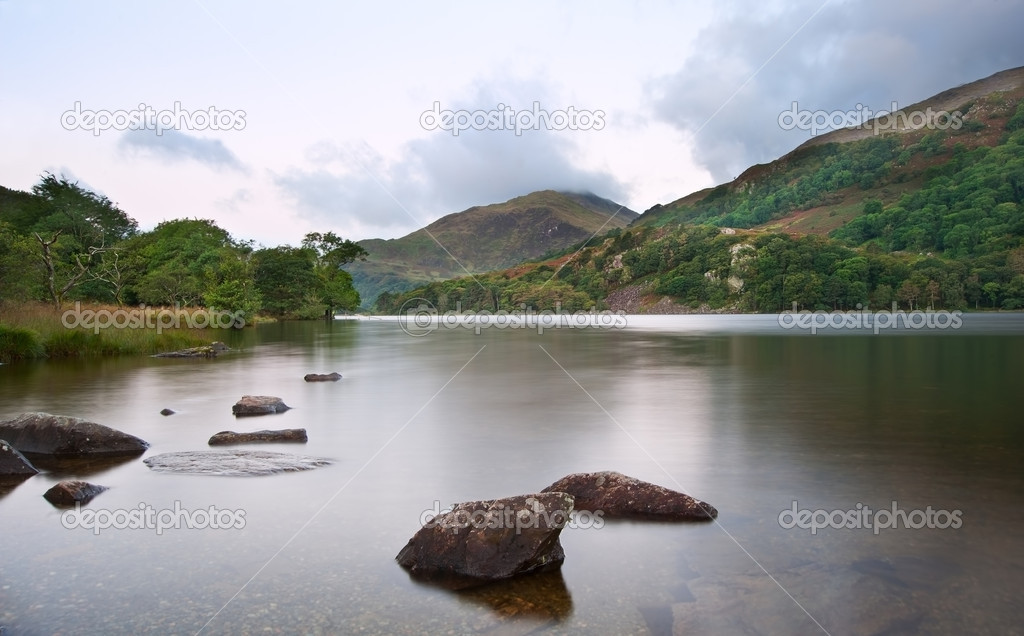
{"type": "Point", "coordinates": [30, 331]}
{"type": "Point", "coordinates": [17, 343]}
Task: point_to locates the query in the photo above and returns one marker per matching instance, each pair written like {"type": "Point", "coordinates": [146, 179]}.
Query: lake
{"type": "Point", "coordinates": [925, 428]}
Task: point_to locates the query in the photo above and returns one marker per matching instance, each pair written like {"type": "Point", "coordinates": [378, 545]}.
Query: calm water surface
{"type": "Point", "coordinates": [731, 409]}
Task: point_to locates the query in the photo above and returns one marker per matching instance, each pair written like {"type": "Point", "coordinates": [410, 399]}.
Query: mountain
{"type": "Point", "coordinates": [809, 191]}
{"type": "Point", "coordinates": [921, 214]}
{"type": "Point", "coordinates": [484, 238]}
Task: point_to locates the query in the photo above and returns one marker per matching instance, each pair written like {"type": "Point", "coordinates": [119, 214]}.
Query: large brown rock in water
{"type": "Point", "coordinates": [481, 541]}
{"type": "Point", "coordinates": [619, 496]}
{"type": "Point", "coordinates": [63, 436]}
{"type": "Point", "coordinates": [259, 405]}
{"type": "Point", "coordinates": [68, 493]}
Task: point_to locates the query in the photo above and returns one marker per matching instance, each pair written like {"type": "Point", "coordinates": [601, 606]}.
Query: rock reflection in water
{"type": "Point", "coordinates": [518, 605]}
{"type": "Point", "coordinates": [75, 467]}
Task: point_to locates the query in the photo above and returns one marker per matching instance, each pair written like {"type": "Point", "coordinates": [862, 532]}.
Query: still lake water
{"type": "Point", "coordinates": [731, 409]}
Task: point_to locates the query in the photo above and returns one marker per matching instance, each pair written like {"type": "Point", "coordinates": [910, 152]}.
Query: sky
{"type": "Point", "coordinates": [374, 119]}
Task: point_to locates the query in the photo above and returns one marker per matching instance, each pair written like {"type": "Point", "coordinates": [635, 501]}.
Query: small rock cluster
{"type": "Point", "coordinates": [477, 542]}
{"type": "Point", "coordinates": [46, 436]}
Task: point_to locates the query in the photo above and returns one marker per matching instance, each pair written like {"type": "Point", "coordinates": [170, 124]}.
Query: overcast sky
{"type": "Point", "coordinates": [321, 105]}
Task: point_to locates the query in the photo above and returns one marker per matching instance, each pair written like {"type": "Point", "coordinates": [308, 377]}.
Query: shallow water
{"type": "Point", "coordinates": [731, 409]}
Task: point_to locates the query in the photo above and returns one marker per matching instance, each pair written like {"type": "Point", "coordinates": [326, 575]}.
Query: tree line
{"type": "Point", "coordinates": [61, 243]}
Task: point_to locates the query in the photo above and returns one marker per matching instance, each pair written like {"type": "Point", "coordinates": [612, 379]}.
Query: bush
{"type": "Point", "coordinates": [20, 344]}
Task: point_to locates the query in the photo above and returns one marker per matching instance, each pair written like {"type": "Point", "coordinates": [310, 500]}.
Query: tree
{"type": "Point", "coordinates": [61, 277]}
{"type": "Point", "coordinates": [884, 296]}
{"type": "Point", "coordinates": [932, 289]}
{"type": "Point", "coordinates": [909, 293]}
{"type": "Point", "coordinates": [991, 289]}
{"type": "Point", "coordinates": [331, 250]}
{"type": "Point", "coordinates": [1014, 293]}
{"type": "Point", "coordinates": [285, 278]}
{"type": "Point", "coordinates": [20, 272]}
{"type": "Point", "coordinates": [330, 254]}
{"type": "Point", "coordinates": [178, 257]}
{"type": "Point", "coordinates": [73, 228]}
{"type": "Point", "coordinates": [230, 285]}
{"type": "Point", "coordinates": [118, 272]}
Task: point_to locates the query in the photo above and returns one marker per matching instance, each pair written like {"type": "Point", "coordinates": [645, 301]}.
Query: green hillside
{"type": "Point", "coordinates": [924, 217]}
{"type": "Point", "coordinates": [484, 238]}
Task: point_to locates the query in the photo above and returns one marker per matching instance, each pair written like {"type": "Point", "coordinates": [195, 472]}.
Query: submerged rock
{"type": "Point", "coordinates": [68, 493]}
{"type": "Point", "coordinates": [259, 405]}
{"type": "Point", "coordinates": [285, 435]}
{"type": "Point", "coordinates": [322, 377]}
{"type": "Point", "coordinates": [481, 541]}
{"type": "Point", "coordinates": [619, 496]}
{"type": "Point", "coordinates": [64, 436]}
{"type": "Point", "coordinates": [233, 463]}
{"type": "Point", "coordinates": [863, 602]}
{"type": "Point", "coordinates": [13, 463]}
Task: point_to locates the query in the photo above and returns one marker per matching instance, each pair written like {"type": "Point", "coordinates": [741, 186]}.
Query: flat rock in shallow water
{"type": "Point", "coordinates": [233, 463]}
{"type": "Point", "coordinates": [204, 351]}
{"type": "Point", "coordinates": [63, 436]}
{"type": "Point", "coordinates": [322, 377]}
{"type": "Point", "coordinates": [620, 496]}
{"type": "Point", "coordinates": [259, 405]}
{"type": "Point", "coordinates": [225, 438]}
{"type": "Point", "coordinates": [68, 493]}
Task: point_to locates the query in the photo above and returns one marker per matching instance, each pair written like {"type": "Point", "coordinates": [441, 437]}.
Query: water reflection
{"type": "Point", "coordinates": [532, 601]}
{"type": "Point", "coordinates": [739, 414]}
{"type": "Point", "coordinates": [79, 467]}
{"type": "Point", "coordinates": [9, 482]}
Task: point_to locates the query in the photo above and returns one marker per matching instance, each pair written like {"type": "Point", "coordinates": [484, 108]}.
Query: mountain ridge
{"type": "Point", "coordinates": [484, 238]}
{"type": "Point", "coordinates": [926, 217]}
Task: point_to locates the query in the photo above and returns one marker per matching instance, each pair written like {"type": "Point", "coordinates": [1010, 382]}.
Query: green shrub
{"type": "Point", "coordinates": [19, 344]}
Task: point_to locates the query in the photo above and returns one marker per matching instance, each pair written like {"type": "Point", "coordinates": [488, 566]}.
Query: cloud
{"type": "Point", "coordinates": [353, 185]}
{"type": "Point", "coordinates": [237, 201]}
{"type": "Point", "coordinates": [871, 52]}
{"type": "Point", "coordinates": [174, 146]}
